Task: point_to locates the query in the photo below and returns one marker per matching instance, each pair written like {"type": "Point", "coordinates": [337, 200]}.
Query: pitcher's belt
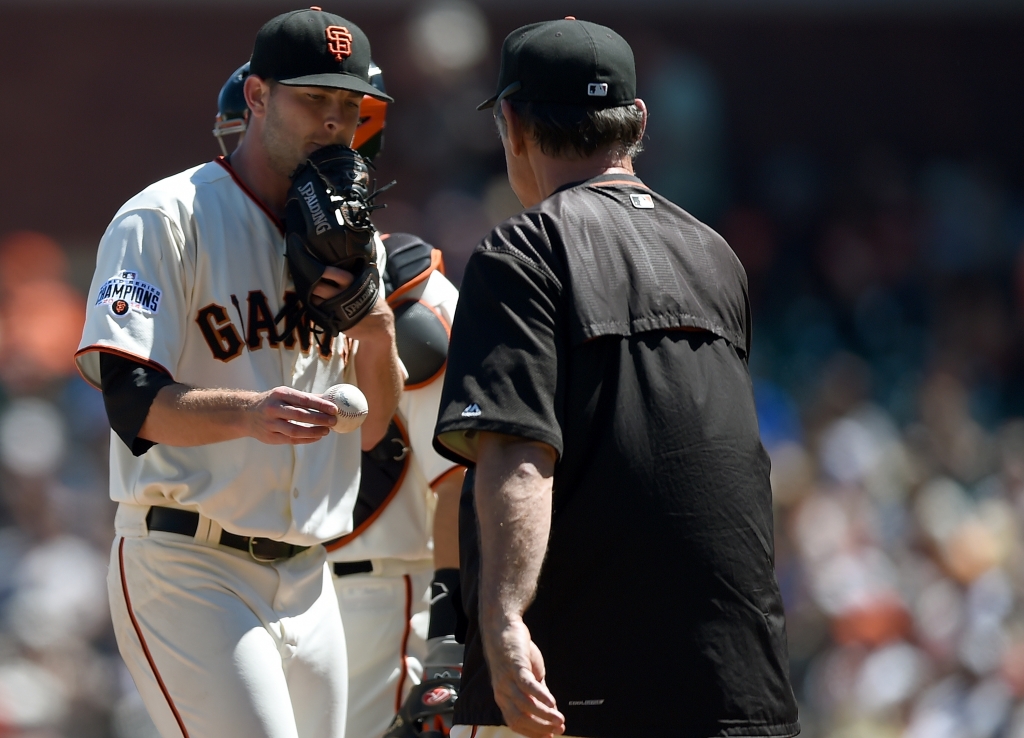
{"type": "Point", "coordinates": [186, 523]}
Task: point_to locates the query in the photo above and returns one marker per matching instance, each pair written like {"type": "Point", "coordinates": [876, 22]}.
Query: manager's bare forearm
{"type": "Point", "coordinates": [513, 503]}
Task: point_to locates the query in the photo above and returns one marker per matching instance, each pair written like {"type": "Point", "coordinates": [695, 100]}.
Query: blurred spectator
{"type": "Point", "coordinates": [58, 668]}
{"type": "Point", "coordinates": [887, 300]}
{"type": "Point", "coordinates": [686, 160]}
{"type": "Point", "coordinates": [41, 316]}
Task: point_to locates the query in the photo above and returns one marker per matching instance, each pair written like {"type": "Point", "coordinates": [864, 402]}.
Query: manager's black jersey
{"type": "Point", "coordinates": [610, 324]}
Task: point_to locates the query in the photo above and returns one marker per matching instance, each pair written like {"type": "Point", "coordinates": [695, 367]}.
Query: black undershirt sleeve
{"type": "Point", "coordinates": [129, 389]}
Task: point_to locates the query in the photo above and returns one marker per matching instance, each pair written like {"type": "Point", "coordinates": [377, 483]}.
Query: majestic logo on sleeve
{"type": "Point", "coordinates": [339, 42]}
{"type": "Point", "coordinates": [125, 293]}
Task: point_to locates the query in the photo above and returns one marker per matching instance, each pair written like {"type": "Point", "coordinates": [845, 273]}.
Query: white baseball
{"type": "Point", "coordinates": [351, 404]}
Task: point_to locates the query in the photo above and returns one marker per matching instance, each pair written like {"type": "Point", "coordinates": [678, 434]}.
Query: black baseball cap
{"type": "Point", "coordinates": [566, 61]}
{"type": "Point", "coordinates": [314, 48]}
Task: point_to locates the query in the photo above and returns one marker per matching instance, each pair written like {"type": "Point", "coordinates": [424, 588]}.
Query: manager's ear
{"type": "Point", "coordinates": [642, 107]}
{"type": "Point", "coordinates": [513, 128]}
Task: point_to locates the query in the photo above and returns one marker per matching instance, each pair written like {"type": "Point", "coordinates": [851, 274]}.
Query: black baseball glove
{"type": "Point", "coordinates": [427, 711]}
{"type": "Point", "coordinates": [327, 223]}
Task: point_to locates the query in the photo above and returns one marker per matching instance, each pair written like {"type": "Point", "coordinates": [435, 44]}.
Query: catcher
{"type": "Point", "coordinates": [404, 663]}
{"type": "Point", "coordinates": [398, 662]}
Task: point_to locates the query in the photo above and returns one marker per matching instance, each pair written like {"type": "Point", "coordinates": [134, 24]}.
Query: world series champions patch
{"type": "Point", "coordinates": [127, 292]}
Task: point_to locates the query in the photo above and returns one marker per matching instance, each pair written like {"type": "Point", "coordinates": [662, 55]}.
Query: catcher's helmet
{"type": "Point", "coordinates": [233, 113]}
{"type": "Point", "coordinates": [369, 138]}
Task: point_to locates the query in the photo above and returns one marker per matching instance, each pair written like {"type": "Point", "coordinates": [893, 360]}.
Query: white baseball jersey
{"type": "Point", "coordinates": [402, 528]}
{"type": "Point", "coordinates": [191, 278]}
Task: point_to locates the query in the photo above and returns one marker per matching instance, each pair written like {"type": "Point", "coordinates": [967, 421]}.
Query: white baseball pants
{"type": "Point", "coordinates": [386, 627]}
{"type": "Point", "coordinates": [221, 646]}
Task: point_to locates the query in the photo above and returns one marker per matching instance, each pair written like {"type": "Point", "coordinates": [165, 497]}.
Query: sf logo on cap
{"type": "Point", "coordinates": [597, 89]}
{"type": "Point", "coordinates": [339, 42]}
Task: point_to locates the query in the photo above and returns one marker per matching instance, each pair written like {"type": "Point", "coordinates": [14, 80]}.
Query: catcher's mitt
{"type": "Point", "coordinates": [327, 223]}
{"type": "Point", "coordinates": [427, 711]}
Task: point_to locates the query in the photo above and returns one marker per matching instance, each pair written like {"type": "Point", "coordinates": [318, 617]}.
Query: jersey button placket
{"type": "Point", "coordinates": [295, 489]}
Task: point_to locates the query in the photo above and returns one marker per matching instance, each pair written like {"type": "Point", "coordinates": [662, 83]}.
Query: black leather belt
{"type": "Point", "coordinates": [344, 568]}
{"type": "Point", "coordinates": [186, 523]}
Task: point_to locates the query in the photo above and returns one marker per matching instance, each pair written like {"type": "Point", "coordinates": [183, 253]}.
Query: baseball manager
{"type": "Point", "coordinates": [617, 551]}
{"type": "Point", "coordinates": [226, 472]}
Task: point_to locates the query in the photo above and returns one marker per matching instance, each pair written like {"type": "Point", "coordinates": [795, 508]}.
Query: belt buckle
{"type": "Point", "coordinates": [255, 556]}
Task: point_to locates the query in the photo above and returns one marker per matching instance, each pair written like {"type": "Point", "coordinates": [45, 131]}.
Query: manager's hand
{"type": "Point", "coordinates": [517, 678]}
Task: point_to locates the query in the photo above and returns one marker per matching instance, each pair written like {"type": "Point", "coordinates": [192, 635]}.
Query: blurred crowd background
{"type": "Point", "coordinates": [863, 158]}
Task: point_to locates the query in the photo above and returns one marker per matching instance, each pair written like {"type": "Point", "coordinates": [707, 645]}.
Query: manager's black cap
{"type": "Point", "coordinates": [566, 61]}
{"type": "Point", "coordinates": [314, 48]}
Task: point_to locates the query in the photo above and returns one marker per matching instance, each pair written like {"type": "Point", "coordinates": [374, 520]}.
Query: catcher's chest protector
{"type": "Point", "coordinates": [422, 338]}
